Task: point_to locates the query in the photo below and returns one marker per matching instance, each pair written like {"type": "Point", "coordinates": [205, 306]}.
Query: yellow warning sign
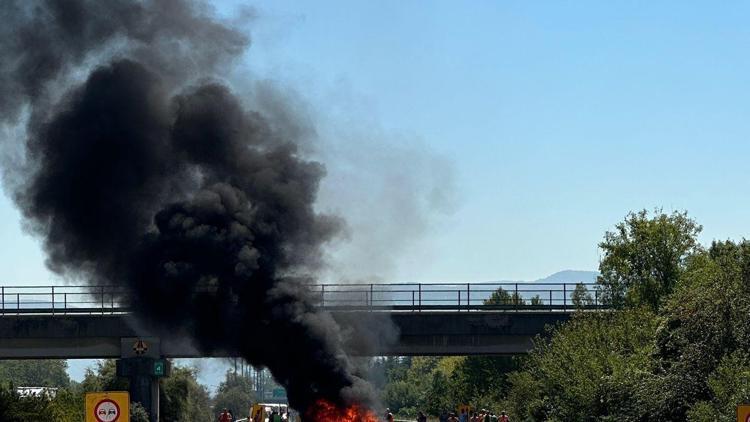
{"type": "Point", "coordinates": [743, 413]}
{"type": "Point", "coordinates": [108, 406]}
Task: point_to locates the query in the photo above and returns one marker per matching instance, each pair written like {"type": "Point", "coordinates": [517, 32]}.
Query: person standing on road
{"type": "Point", "coordinates": [503, 417]}
{"type": "Point", "coordinates": [464, 415]}
{"type": "Point", "coordinates": [225, 416]}
{"type": "Point", "coordinates": [443, 416]}
{"type": "Point", "coordinates": [421, 417]}
{"type": "Point", "coordinates": [388, 415]}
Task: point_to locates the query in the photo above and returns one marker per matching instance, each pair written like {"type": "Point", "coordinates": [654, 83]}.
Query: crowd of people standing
{"type": "Point", "coordinates": [464, 415]}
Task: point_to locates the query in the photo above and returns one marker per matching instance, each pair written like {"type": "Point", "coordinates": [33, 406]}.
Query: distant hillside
{"type": "Point", "coordinates": [570, 276]}
{"type": "Point", "coordinates": [566, 276]}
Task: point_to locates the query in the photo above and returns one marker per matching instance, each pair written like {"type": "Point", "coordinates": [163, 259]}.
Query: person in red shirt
{"type": "Point", "coordinates": [503, 417]}
{"type": "Point", "coordinates": [225, 416]}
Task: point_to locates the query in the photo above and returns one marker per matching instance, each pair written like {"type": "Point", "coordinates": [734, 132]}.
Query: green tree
{"type": "Point", "coordinates": [402, 397]}
{"type": "Point", "coordinates": [705, 329]}
{"type": "Point", "coordinates": [481, 377]}
{"type": "Point", "coordinates": [35, 373]}
{"type": "Point", "coordinates": [104, 378]}
{"type": "Point", "coordinates": [644, 257]}
{"type": "Point", "coordinates": [581, 296]}
{"type": "Point", "coordinates": [503, 297]}
{"type": "Point", "coordinates": [182, 398]}
{"type": "Point", "coordinates": [587, 369]}
{"type": "Point", "coordinates": [68, 404]}
{"type": "Point", "coordinates": [234, 393]}
{"type": "Point", "coordinates": [437, 397]}
{"type": "Point", "coordinates": [14, 408]}
{"type": "Point", "coordinates": [138, 413]}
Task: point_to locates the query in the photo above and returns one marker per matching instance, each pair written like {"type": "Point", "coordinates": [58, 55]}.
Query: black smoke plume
{"type": "Point", "coordinates": [142, 169]}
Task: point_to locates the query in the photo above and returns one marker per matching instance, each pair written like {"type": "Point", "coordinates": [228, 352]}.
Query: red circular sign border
{"type": "Point", "coordinates": [106, 400]}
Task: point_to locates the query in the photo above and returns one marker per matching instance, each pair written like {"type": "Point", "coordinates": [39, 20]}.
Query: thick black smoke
{"type": "Point", "coordinates": [141, 172]}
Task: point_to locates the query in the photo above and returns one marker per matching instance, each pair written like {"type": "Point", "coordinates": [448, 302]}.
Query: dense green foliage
{"type": "Point", "coordinates": [678, 351]}
{"type": "Point", "coordinates": [182, 398]}
{"type": "Point", "coordinates": [434, 384]}
{"type": "Point", "coordinates": [676, 348]}
{"type": "Point", "coordinates": [644, 257]}
{"type": "Point", "coordinates": [32, 373]}
{"type": "Point", "coordinates": [234, 393]}
{"type": "Point", "coordinates": [587, 368]}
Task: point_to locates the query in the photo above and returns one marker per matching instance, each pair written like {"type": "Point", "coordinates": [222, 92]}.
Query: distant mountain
{"type": "Point", "coordinates": [566, 276]}
{"type": "Point", "coordinates": [570, 276]}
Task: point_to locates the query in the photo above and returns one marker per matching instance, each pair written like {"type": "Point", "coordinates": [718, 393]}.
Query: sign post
{"type": "Point", "coordinates": [108, 406]}
{"type": "Point", "coordinates": [743, 413]}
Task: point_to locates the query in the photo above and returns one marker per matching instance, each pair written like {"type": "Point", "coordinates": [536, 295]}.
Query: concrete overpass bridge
{"type": "Point", "coordinates": [431, 319]}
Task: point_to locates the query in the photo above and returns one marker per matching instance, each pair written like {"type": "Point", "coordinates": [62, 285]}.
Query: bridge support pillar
{"type": "Point", "coordinates": [144, 374]}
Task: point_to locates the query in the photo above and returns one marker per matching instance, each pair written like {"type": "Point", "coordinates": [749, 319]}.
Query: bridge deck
{"type": "Point", "coordinates": [428, 319]}
{"type": "Point", "coordinates": [416, 333]}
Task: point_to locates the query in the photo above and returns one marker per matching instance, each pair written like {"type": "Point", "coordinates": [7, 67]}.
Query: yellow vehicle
{"type": "Point", "coordinates": [261, 412]}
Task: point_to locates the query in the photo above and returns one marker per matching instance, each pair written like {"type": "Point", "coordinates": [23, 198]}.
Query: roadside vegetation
{"type": "Point", "coordinates": [675, 348]}
{"type": "Point", "coordinates": [182, 398]}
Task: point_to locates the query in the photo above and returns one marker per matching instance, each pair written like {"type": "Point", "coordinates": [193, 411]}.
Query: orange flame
{"type": "Point", "coordinates": [324, 411]}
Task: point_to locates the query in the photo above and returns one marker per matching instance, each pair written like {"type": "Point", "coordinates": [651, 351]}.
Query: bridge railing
{"type": "Point", "coordinates": [407, 297]}
{"type": "Point", "coordinates": [61, 299]}
{"type": "Point", "coordinates": [460, 296]}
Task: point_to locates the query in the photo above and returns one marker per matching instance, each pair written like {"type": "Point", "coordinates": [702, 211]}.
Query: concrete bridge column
{"type": "Point", "coordinates": [144, 384]}
{"type": "Point", "coordinates": [141, 362]}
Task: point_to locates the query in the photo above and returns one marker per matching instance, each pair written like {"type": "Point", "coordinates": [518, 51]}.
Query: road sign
{"type": "Point", "coordinates": [140, 347]}
{"type": "Point", "coordinates": [278, 393]}
{"type": "Point", "coordinates": [159, 368]}
{"type": "Point", "coordinates": [743, 413]}
{"type": "Point", "coordinates": [109, 406]}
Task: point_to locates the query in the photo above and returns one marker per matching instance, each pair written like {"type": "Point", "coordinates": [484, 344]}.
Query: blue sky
{"type": "Point", "coordinates": [557, 118]}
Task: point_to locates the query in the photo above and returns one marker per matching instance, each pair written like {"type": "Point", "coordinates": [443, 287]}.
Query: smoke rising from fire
{"type": "Point", "coordinates": [141, 168]}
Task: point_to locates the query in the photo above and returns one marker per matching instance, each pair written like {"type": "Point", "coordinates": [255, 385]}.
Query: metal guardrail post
{"type": "Point", "coordinates": [322, 295]}
{"type": "Point", "coordinates": [18, 302]}
{"type": "Point", "coordinates": [420, 296]}
{"type": "Point", "coordinates": [468, 297]}
{"type": "Point", "coordinates": [65, 302]}
{"type": "Point", "coordinates": [371, 292]}
{"type": "Point", "coordinates": [2, 292]}
{"type": "Point", "coordinates": [565, 297]}
{"type": "Point", "coordinates": [102, 300]}
{"type": "Point", "coordinates": [515, 298]}
{"type": "Point", "coordinates": [596, 297]}
{"type": "Point", "coordinates": [53, 300]}
{"type": "Point", "coordinates": [550, 300]}
{"type": "Point", "coordinates": [459, 301]}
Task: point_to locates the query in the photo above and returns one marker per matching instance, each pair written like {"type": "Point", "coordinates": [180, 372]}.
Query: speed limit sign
{"type": "Point", "coordinates": [109, 406]}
